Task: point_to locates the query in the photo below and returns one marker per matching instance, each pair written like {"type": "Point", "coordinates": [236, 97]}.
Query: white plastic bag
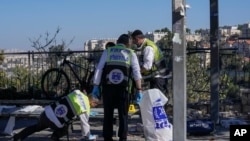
{"type": "Point", "coordinates": [154, 118]}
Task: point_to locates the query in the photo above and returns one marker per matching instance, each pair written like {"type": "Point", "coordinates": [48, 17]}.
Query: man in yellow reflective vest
{"type": "Point", "coordinates": [58, 114]}
{"type": "Point", "coordinates": [153, 64]}
{"type": "Point", "coordinates": [116, 67]}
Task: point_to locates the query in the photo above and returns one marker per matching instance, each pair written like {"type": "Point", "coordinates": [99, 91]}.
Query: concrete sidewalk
{"type": "Point", "coordinates": [221, 134]}
{"type": "Point", "coordinates": [75, 135]}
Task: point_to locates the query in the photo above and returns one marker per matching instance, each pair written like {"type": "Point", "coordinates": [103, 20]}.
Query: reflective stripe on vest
{"type": "Point", "coordinates": [118, 62]}
{"type": "Point", "coordinates": [119, 54]}
{"type": "Point", "coordinates": [64, 117]}
{"type": "Point", "coordinates": [159, 65]}
{"type": "Point", "coordinates": [62, 110]}
{"type": "Point", "coordinates": [70, 106]}
{"type": "Point", "coordinates": [79, 101]}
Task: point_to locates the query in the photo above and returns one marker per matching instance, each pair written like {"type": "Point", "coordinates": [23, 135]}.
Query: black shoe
{"type": "Point", "coordinates": [16, 138]}
{"type": "Point", "coordinates": [54, 139]}
{"type": "Point", "coordinates": [122, 139]}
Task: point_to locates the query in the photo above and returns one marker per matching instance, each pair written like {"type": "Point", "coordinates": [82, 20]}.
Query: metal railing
{"type": "Point", "coordinates": [21, 72]}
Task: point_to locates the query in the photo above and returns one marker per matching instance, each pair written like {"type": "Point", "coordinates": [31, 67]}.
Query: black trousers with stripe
{"type": "Point", "coordinates": [42, 124]}
{"type": "Point", "coordinates": [115, 97]}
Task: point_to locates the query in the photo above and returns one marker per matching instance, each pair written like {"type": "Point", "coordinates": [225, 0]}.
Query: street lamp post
{"type": "Point", "coordinates": [214, 45]}
{"type": "Point", "coordinates": [179, 69]}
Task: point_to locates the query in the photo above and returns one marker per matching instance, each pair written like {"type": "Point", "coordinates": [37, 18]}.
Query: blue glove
{"type": "Point", "coordinates": [138, 97]}
{"type": "Point", "coordinates": [93, 113]}
{"type": "Point", "coordinates": [90, 137]}
{"type": "Point", "coordinates": [95, 92]}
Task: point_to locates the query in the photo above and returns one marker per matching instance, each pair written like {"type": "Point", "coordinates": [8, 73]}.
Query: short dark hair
{"type": "Point", "coordinates": [123, 39]}
{"type": "Point", "coordinates": [109, 44]}
{"type": "Point", "coordinates": [136, 33]}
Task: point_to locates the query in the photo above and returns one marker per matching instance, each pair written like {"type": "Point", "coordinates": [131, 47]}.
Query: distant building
{"type": "Point", "coordinates": [16, 57]}
{"type": "Point", "coordinates": [97, 44]}
{"type": "Point", "coordinates": [13, 50]}
{"type": "Point", "coordinates": [155, 36]}
{"type": "Point", "coordinates": [193, 37]}
{"type": "Point", "coordinates": [242, 46]}
{"type": "Point", "coordinates": [227, 31]}
{"type": "Point", "coordinates": [246, 30]}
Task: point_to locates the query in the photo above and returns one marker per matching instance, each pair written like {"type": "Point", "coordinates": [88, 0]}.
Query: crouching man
{"type": "Point", "coordinates": [59, 114]}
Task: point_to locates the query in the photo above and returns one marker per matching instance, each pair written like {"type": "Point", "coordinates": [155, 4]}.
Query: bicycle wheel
{"type": "Point", "coordinates": [55, 83]}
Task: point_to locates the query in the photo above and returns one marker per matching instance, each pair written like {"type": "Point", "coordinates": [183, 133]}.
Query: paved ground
{"type": "Point", "coordinates": [221, 134]}
{"type": "Point", "coordinates": [96, 128]}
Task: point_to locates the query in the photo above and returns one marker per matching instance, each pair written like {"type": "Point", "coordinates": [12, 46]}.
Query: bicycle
{"type": "Point", "coordinates": [56, 82]}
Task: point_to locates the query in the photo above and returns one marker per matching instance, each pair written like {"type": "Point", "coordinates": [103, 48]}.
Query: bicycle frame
{"type": "Point", "coordinates": [58, 81]}
{"type": "Point", "coordinates": [70, 64]}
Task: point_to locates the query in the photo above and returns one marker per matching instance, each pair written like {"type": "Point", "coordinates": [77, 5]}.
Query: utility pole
{"type": "Point", "coordinates": [215, 72]}
{"type": "Point", "coordinates": [179, 70]}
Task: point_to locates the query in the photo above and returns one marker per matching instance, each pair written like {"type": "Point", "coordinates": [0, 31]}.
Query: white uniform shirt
{"type": "Point", "coordinates": [84, 118]}
{"type": "Point", "coordinates": [148, 59]}
{"type": "Point", "coordinates": [52, 117]}
{"type": "Point", "coordinates": [134, 64]}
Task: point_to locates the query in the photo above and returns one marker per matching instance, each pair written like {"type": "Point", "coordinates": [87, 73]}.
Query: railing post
{"type": "Point", "coordinates": [29, 69]}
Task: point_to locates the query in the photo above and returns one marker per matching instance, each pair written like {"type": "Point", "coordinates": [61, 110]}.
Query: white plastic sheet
{"type": "Point", "coordinates": [154, 118]}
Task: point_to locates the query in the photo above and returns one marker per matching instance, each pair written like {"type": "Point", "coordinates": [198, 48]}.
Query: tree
{"type": "Point", "coordinates": [3, 79]}
{"type": "Point", "coordinates": [166, 41]}
{"type": "Point", "coordinates": [198, 31]}
{"type": "Point", "coordinates": [50, 42]}
{"type": "Point", "coordinates": [240, 27]}
{"type": "Point", "coordinates": [188, 30]}
{"type": "Point", "coordinates": [3, 76]}
{"type": "Point", "coordinates": [50, 46]}
{"type": "Point", "coordinates": [55, 54]}
{"type": "Point", "coordinates": [197, 79]}
{"type": "Point", "coordinates": [19, 79]}
{"type": "Point", "coordinates": [1, 57]}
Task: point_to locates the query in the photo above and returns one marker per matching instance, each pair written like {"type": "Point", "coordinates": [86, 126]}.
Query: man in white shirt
{"type": "Point", "coordinates": [153, 68]}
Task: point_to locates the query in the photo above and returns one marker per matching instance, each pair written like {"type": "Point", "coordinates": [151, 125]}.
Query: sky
{"type": "Point", "coordinates": [23, 21]}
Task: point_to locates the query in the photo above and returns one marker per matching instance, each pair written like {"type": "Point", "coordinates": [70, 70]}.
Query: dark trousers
{"type": "Point", "coordinates": [42, 124]}
{"type": "Point", "coordinates": [115, 97]}
{"type": "Point", "coordinates": [160, 83]}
